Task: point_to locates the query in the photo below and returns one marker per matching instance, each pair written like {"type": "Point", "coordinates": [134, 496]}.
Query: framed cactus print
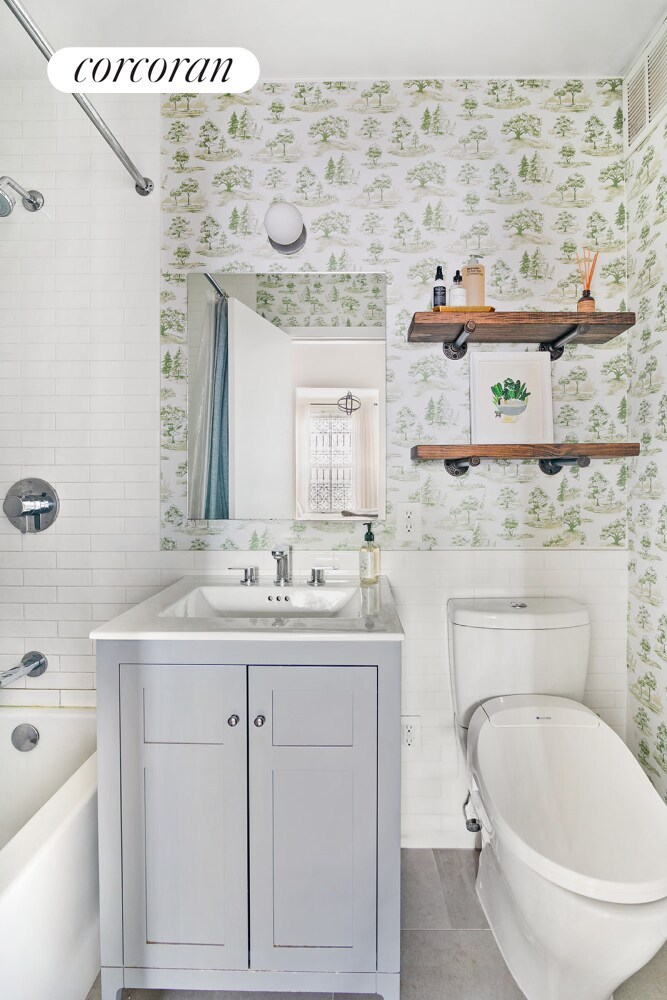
{"type": "Point", "coordinates": [510, 398]}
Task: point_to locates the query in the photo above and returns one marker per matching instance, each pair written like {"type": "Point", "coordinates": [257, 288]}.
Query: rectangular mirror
{"type": "Point", "coordinates": [286, 396]}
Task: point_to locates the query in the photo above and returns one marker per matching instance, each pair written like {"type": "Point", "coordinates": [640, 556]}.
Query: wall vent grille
{"type": "Point", "coordinates": [657, 78]}
{"type": "Point", "coordinates": [635, 105]}
{"type": "Point", "coordinates": [646, 90]}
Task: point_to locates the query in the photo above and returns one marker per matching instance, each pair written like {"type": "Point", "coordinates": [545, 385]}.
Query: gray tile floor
{"type": "Point", "coordinates": [448, 951]}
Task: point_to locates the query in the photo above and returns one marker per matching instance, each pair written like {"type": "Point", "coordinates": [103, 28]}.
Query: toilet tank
{"type": "Point", "coordinates": [502, 646]}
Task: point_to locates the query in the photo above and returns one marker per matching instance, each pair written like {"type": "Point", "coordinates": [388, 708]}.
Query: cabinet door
{"type": "Point", "coordinates": [184, 816]}
{"type": "Point", "coordinates": [313, 817]}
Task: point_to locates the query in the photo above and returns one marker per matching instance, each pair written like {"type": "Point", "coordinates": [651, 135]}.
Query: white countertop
{"type": "Point", "coordinates": [378, 621]}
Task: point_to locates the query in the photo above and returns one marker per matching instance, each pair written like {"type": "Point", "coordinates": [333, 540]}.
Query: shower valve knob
{"type": "Point", "coordinates": [31, 505]}
{"type": "Point", "coordinates": [15, 506]}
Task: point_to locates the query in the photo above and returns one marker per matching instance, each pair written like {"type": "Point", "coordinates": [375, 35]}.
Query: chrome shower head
{"type": "Point", "coordinates": [7, 202]}
{"type": "Point", "coordinates": [32, 201]}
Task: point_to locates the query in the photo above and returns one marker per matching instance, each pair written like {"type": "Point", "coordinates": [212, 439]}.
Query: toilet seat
{"type": "Point", "coordinates": [565, 795]}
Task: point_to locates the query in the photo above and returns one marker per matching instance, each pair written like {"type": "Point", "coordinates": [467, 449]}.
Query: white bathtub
{"type": "Point", "coordinates": [49, 900]}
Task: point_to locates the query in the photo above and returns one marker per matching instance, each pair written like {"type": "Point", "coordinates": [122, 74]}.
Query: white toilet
{"type": "Point", "coordinates": [573, 870]}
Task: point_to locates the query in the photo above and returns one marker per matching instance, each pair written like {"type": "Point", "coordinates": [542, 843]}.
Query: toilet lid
{"type": "Point", "coordinates": [565, 794]}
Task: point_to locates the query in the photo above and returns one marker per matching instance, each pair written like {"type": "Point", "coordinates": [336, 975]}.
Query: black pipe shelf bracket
{"type": "Point", "coordinates": [457, 349]}
{"type": "Point", "coordinates": [556, 347]}
{"type": "Point", "coordinates": [458, 467]}
{"type": "Point", "coordinates": [551, 457]}
{"type": "Point", "coordinates": [456, 329]}
{"type": "Point", "coordinates": [552, 466]}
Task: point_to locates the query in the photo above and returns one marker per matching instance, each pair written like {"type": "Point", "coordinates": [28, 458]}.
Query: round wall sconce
{"type": "Point", "coordinates": [284, 227]}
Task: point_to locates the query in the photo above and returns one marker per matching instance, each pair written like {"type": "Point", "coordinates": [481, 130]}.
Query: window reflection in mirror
{"type": "Point", "coordinates": [286, 396]}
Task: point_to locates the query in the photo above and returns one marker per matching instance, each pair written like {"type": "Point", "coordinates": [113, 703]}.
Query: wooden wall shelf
{"type": "Point", "coordinates": [551, 330]}
{"type": "Point", "coordinates": [551, 457]}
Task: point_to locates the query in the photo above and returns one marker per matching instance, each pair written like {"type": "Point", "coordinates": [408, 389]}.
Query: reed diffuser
{"type": "Point", "coordinates": [586, 269]}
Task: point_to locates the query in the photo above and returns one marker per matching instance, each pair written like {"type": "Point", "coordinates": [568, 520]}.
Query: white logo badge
{"type": "Point", "coordinates": [136, 70]}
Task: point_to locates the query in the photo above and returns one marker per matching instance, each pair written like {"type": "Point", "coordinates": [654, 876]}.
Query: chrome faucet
{"type": "Point", "coordinates": [283, 559]}
{"type": "Point", "coordinates": [250, 576]}
{"type": "Point", "coordinates": [33, 664]}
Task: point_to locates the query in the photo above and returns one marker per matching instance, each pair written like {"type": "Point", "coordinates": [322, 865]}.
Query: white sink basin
{"type": "Point", "coordinates": [330, 601]}
{"type": "Point", "coordinates": [219, 608]}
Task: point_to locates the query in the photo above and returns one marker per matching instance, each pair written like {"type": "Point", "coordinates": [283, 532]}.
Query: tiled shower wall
{"type": "Point", "coordinates": [78, 380]}
{"type": "Point", "coordinates": [79, 316]}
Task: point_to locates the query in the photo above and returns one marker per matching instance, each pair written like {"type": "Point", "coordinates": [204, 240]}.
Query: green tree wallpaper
{"type": "Point", "coordinates": [398, 176]}
{"type": "Point", "coordinates": [647, 411]}
{"type": "Point", "coordinates": [330, 300]}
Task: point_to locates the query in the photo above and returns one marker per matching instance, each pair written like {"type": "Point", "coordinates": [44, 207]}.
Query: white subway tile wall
{"type": "Point", "coordinates": [79, 307]}
{"type": "Point", "coordinates": [79, 342]}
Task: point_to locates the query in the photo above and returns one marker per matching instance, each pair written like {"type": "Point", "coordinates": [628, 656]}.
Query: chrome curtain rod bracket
{"type": "Point", "coordinates": [211, 280]}
{"type": "Point", "coordinates": [142, 185]}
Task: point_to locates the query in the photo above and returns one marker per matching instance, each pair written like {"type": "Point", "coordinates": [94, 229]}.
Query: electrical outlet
{"type": "Point", "coordinates": [411, 732]}
{"type": "Point", "coordinates": [408, 521]}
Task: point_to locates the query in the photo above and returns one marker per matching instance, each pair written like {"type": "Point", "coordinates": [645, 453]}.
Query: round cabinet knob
{"type": "Point", "coordinates": [259, 721]}
{"type": "Point", "coordinates": [233, 720]}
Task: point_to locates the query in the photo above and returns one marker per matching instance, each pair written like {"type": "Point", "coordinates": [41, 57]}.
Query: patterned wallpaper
{"type": "Point", "coordinates": [647, 404]}
{"type": "Point", "coordinates": [398, 176]}
{"type": "Point", "coordinates": [345, 300]}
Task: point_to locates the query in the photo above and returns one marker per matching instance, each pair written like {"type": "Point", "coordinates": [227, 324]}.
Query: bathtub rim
{"type": "Point", "coordinates": [55, 815]}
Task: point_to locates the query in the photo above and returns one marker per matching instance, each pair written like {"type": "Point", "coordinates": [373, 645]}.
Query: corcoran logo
{"type": "Point", "coordinates": [153, 70]}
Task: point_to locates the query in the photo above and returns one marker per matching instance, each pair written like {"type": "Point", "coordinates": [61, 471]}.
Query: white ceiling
{"type": "Point", "coordinates": [330, 39]}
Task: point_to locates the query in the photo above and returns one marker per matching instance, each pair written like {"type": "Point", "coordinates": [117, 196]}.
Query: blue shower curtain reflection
{"type": "Point", "coordinates": [217, 489]}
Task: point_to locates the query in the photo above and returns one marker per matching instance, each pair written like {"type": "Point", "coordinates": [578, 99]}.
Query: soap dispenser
{"type": "Point", "coordinates": [473, 281]}
{"type": "Point", "coordinates": [369, 558]}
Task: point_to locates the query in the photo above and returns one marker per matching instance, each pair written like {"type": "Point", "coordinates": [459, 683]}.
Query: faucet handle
{"type": "Point", "coordinates": [250, 575]}
{"type": "Point", "coordinates": [31, 505]}
{"type": "Point", "coordinates": [279, 553]}
{"type": "Point", "coordinates": [317, 577]}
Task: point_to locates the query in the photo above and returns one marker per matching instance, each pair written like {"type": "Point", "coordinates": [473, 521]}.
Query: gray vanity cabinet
{"type": "Point", "coordinates": [249, 815]}
{"type": "Point", "coordinates": [305, 773]}
{"type": "Point", "coordinates": [313, 817]}
{"type": "Point", "coordinates": [184, 830]}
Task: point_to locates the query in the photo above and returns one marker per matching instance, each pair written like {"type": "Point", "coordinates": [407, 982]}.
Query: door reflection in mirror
{"type": "Point", "coordinates": [271, 360]}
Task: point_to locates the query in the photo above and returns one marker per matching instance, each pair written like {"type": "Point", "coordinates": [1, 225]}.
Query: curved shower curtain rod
{"type": "Point", "coordinates": [211, 280]}
{"type": "Point", "coordinates": [142, 185]}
